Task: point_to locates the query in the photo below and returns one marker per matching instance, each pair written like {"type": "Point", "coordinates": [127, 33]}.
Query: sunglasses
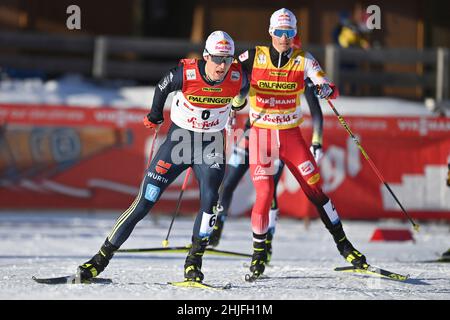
{"type": "Point", "coordinates": [289, 33]}
{"type": "Point", "coordinates": [221, 59]}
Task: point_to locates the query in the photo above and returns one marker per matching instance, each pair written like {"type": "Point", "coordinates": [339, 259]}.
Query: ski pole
{"type": "Point", "coordinates": [152, 147]}
{"type": "Point", "coordinates": [366, 156]}
{"type": "Point", "coordinates": [165, 242]}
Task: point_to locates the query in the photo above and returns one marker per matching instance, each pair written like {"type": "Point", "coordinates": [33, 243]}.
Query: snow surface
{"type": "Point", "coordinates": [47, 244]}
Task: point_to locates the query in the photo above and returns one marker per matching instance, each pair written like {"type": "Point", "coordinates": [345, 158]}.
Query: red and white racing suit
{"type": "Point", "coordinates": [275, 116]}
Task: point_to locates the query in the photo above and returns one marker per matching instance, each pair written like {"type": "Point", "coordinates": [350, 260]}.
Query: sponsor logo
{"type": "Point", "coordinates": [157, 177]}
{"type": "Point", "coordinates": [314, 179]}
{"type": "Point", "coordinates": [306, 168]}
{"type": "Point", "coordinates": [223, 46]}
{"type": "Point", "coordinates": [278, 73]}
{"type": "Point", "coordinates": [190, 74]}
{"type": "Point", "coordinates": [209, 100]}
{"type": "Point", "coordinates": [277, 85]}
{"type": "Point", "coordinates": [279, 119]}
{"type": "Point", "coordinates": [204, 125]}
{"type": "Point", "coordinates": [214, 155]}
{"type": "Point", "coordinates": [284, 19]}
{"type": "Point", "coordinates": [215, 166]}
{"type": "Point", "coordinates": [297, 60]}
{"type": "Point", "coordinates": [423, 126]}
{"type": "Point", "coordinates": [261, 59]}
{"type": "Point", "coordinates": [258, 178]}
{"type": "Point", "coordinates": [152, 192]}
{"type": "Point", "coordinates": [259, 171]}
{"type": "Point", "coordinates": [243, 56]}
{"type": "Point", "coordinates": [235, 75]}
{"type": "Point", "coordinates": [162, 167]}
{"type": "Point", "coordinates": [208, 89]}
{"type": "Point", "coordinates": [119, 117]}
{"type": "Point", "coordinates": [166, 81]}
{"type": "Point", "coordinates": [273, 101]}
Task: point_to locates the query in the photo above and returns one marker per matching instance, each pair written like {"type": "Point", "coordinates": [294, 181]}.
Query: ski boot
{"type": "Point", "coordinates": [356, 258]}
{"type": "Point", "coordinates": [446, 256]}
{"type": "Point", "coordinates": [259, 259]}
{"type": "Point", "coordinates": [215, 235]}
{"type": "Point", "coordinates": [193, 263]}
{"type": "Point", "coordinates": [98, 262]}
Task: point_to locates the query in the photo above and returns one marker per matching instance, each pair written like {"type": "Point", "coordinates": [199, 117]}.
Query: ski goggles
{"type": "Point", "coordinates": [222, 59]}
{"type": "Point", "coordinates": [289, 33]}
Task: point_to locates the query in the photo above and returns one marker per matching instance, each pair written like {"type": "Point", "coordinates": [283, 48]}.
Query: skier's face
{"type": "Point", "coordinates": [217, 66]}
{"type": "Point", "coordinates": [282, 38]}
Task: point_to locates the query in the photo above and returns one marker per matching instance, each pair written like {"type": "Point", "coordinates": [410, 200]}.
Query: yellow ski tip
{"type": "Point", "coordinates": [165, 243]}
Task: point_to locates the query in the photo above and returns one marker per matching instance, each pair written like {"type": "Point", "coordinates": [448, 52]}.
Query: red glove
{"type": "Point", "coordinates": [326, 91]}
{"type": "Point", "coordinates": [148, 124]}
{"type": "Point", "coordinates": [335, 93]}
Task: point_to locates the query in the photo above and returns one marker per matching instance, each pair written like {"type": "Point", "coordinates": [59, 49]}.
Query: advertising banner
{"type": "Point", "coordinates": [94, 158]}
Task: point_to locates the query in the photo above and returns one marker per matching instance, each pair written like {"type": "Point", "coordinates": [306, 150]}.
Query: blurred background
{"type": "Point", "coordinates": [72, 99]}
{"type": "Point", "coordinates": [401, 58]}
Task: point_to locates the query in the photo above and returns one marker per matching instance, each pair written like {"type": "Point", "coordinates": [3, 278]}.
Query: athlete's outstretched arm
{"type": "Point", "coordinates": [325, 88]}
{"type": "Point", "coordinates": [171, 81]}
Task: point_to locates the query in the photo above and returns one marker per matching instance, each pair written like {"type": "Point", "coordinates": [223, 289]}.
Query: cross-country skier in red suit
{"type": "Point", "coordinates": [275, 117]}
{"type": "Point", "coordinates": [238, 163]}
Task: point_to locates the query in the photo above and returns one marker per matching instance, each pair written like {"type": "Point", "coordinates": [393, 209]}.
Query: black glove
{"type": "Point", "coordinates": [155, 119]}
{"type": "Point", "coordinates": [238, 103]}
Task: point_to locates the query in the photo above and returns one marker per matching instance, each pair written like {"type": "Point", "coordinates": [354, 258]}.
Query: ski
{"type": "Point", "coordinates": [227, 253]}
{"type": "Point", "coordinates": [184, 249]}
{"type": "Point", "coordinates": [195, 284]}
{"type": "Point", "coordinates": [371, 270]}
{"type": "Point", "coordinates": [157, 250]}
{"type": "Point", "coordinates": [72, 279]}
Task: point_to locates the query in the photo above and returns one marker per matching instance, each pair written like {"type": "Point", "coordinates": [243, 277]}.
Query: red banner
{"type": "Point", "coordinates": [410, 153]}
{"type": "Point", "coordinates": [74, 157]}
